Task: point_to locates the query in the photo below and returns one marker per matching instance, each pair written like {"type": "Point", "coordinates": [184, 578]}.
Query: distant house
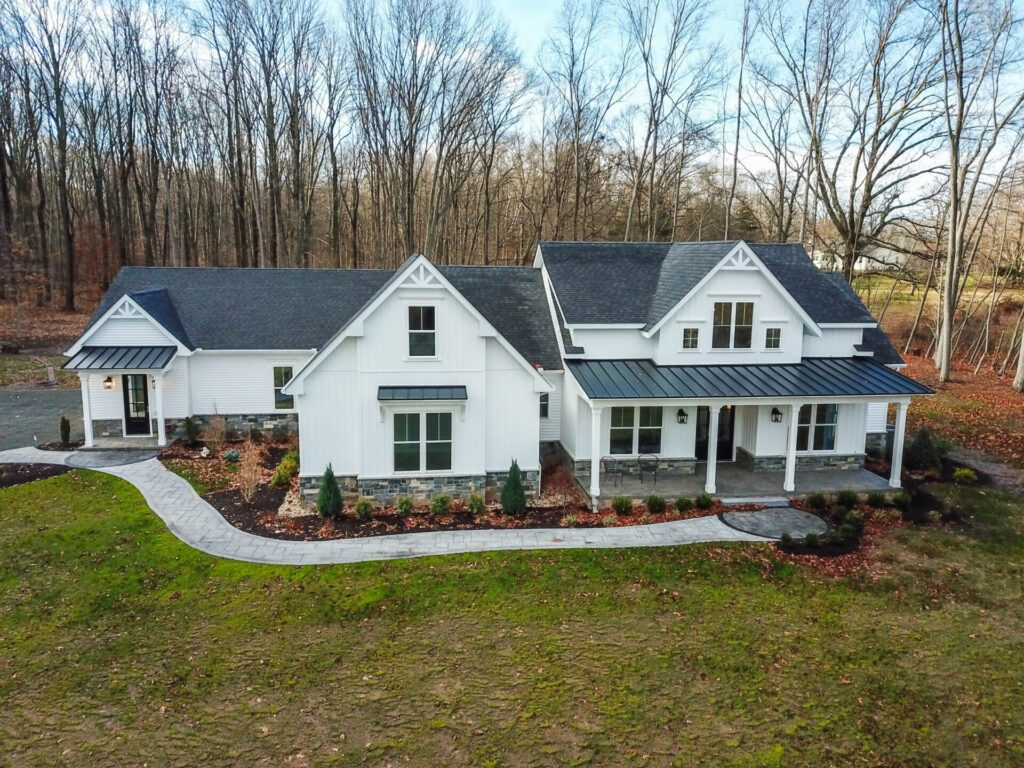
{"type": "Point", "coordinates": [432, 378]}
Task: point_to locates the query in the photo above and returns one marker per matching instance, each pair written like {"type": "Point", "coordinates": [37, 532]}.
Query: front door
{"type": "Point", "coordinates": [725, 433]}
{"type": "Point", "coordinates": [136, 404]}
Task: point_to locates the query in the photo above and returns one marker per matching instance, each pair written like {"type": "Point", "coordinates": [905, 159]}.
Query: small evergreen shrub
{"type": "Point", "coordinates": [877, 500]}
{"type": "Point", "coordinates": [684, 504]}
{"type": "Point", "coordinates": [817, 501]}
{"type": "Point", "coordinates": [190, 429]}
{"type": "Point", "coordinates": [284, 473]}
{"type": "Point", "coordinates": [847, 498]}
{"type": "Point", "coordinates": [964, 476]}
{"type": "Point", "coordinates": [943, 445]}
{"type": "Point", "coordinates": [656, 505]}
{"type": "Point", "coordinates": [404, 506]}
{"type": "Point", "coordinates": [934, 516]}
{"type": "Point", "coordinates": [65, 431]}
{"type": "Point", "coordinates": [476, 504]}
{"type": "Point", "coordinates": [364, 509]}
{"type": "Point", "coordinates": [834, 536]}
{"type": "Point", "coordinates": [292, 455]}
{"type": "Point", "coordinates": [513, 495]}
{"type": "Point", "coordinates": [922, 452]}
{"type": "Point", "coordinates": [609, 521]}
{"type": "Point", "coordinates": [622, 505]}
{"type": "Point", "coordinates": [704, 501]}
{"type": "Point", "coordinates": [901, 500]}
{"type": "Point", "coordinates": [232, 455]}
{"type": "Point", "coordinates": [568, 521]}
{"type": "Point", "coordinates": [786, 539]}
{"type": "Point", "coordinates": [328, 498]}
{"type": "Point", "coordinates": [441, 504]}
{"type": "Point", "coordinates": [811, 539]}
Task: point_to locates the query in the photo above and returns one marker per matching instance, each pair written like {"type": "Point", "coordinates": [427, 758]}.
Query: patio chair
{"type": "Point", "coordinates": [610, 468]}
{"type": "Point", "coordinates": [648, 463]}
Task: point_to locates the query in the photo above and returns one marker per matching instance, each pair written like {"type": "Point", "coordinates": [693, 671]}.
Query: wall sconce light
{"type": "Point", "coordinates": [682, 416]}
{"type": "Point", "coordinates": [776, 415]}
{"type": "Point", "coordinates": [108, 383]}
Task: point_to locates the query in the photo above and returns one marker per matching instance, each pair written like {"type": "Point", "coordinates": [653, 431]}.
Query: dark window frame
{"type": "Point", "coordinates": [817, 428]}
{"type": "Point", "coordinates": [691, 338]}
{"type": "Point", "coordinates": [422, 331]}
{"type": "Point", "coordinates": [282, 402]}
{"type": "Point", "coordinates": [545, 405]}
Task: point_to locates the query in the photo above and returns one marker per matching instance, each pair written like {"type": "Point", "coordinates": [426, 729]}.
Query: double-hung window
{"type": "Point", "coordinates": [282, 375]}
{"type": "Point", "coordinates": [423, 442]}
{"type": "Point", "coordinates": [545, 402]}
{"type": "Point", "coordinates": [635, 430]}
{"type": "Point", "coordinates": [733, 325]}
{"type": "Point", "coordinates": [816, 429]}
{"type": "Point", "coordinates": [422, 332]}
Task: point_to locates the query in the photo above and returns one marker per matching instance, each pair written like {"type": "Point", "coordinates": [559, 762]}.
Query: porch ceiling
{"type": "Point", "coordinates": [121, 359]}
{"type": "Point", "coordinates": [813, 377]}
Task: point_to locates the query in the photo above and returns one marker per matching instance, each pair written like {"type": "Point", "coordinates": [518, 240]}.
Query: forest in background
{"type": "Point", "coordinates": [885, 135]}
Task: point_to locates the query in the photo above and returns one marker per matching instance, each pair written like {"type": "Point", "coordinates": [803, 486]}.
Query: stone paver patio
{"type": "Point", "coordinates": [199, 525]}
{"type": "Point", "coordinates": [772, 523]}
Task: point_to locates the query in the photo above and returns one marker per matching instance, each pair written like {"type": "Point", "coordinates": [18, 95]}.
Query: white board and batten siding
{"type": "Point", "coordinates": [128, 332]}
{"type": "Point", "coordinates": [230, 383]}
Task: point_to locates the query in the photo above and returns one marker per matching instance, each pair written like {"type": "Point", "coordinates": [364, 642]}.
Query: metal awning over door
{"type": "Point", "coordinates": [121, 359]}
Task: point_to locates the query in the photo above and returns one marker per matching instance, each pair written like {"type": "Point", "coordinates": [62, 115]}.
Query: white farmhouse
{"type": "Point", "coordinates": [615, 359]}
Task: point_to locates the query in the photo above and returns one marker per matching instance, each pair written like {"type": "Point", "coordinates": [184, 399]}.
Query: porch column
{"type": "Point", "coordinates": [595, 451]}
{"type": "Point", "coordinates": [83, 379]}
{"type": "Point", "coordinates": [161, 431]}
{"type": "Point", "coordinates": [789, 483]}
{"type": "Point", "coordinates": [896, 467]}
{"type": "Point", "coordinates": [709, 480]}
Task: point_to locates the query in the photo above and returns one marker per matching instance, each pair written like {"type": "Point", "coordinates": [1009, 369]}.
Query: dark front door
{"type": "Point", "coordinates": [725, 431]}
{"type": "Point", "coordinates": [136, 404]}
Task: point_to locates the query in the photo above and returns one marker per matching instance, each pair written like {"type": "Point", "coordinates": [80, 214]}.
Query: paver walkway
{"type": "Point", "coordinates": [199, 525]}
{"type": "Point", "coordinates": [772, 523]}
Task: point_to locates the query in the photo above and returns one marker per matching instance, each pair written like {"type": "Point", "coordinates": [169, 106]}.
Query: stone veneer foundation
{"type": "Point", "coordinates": [421, 489]}
{"type": "Point", "coordinates": [803, 461]}
{"type": "Point", "coordinates": [276, 425]}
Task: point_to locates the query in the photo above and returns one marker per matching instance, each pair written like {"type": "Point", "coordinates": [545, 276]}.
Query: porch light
{"type": "Point", "coordinates": [682, 416]}
{"type": "Point", "coordinates": [108, 383]}
{"type": "Point", "coordinates": [776, 415]}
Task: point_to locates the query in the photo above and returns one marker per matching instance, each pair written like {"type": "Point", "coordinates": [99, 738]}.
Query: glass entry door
{"type": "Point", "coordinates": [725, 433]}
{"type": "Point", "coordinates": [136, 404]}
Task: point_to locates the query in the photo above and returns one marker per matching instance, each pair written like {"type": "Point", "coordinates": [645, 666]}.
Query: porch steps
{"type": "Point", "coordinates": [764, 501]}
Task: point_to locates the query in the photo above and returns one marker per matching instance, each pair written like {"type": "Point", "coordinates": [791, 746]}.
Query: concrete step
{"type": "Point", "coordinates": [764, 501]}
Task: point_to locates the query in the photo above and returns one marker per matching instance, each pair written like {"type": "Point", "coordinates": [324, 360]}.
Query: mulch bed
{"type": "Point", "coordinates": [74, 445]}
{"type": "Point", "coordinates": [19, 474]}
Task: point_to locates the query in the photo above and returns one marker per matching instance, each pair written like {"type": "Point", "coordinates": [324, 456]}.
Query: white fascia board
{"type": "Point", "coordinates": [538, 258]}
{"type": "Point", "coordinates": [355, 327]}
{"type": "Point", "coordinates": [604, 326]}
{"type": "Point", "coordinates": [740, 401]}
{"type": "Point", "coordinates": [123, 301]}
{"type": "Point", "coordinates": [847, 325]}
{"type": "Point", "coordinates": [767, 273]}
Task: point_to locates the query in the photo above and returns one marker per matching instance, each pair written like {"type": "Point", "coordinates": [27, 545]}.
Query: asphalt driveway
{"type": "Point", "coordinates": [35, 413]}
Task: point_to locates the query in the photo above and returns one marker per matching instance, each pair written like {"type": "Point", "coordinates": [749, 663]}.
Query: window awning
{"type": "Point", "coordinates": [121, 359]}
{"type": "Point", "coordinates": [421, 393]}
{"type": "Point", "coordinates": [812, 377]}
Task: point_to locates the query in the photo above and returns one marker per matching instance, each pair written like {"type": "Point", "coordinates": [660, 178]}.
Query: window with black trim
{"type": "Point", "coordinates": [544, 402]}
{"type": "Point", "coordinates": [422, 441]}
{"type": "Point", "coordinates": [773, 338]}
{"type": "Point", "coordinates": [733, 325]}
{"type": "Point", "coordinates": [620, 440]}
{"type": "Point", "coordinates": [282, 375]}
{"type": "Point", "coordinates": [816, 429]}
{"type": "Point", "coordinates": [422, 332]}
{"type": "Point", "coordinates": [691, 337]}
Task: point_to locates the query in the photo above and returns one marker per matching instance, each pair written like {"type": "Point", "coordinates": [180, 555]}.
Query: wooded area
{"type": "Point", "coordinates": [883, 134]}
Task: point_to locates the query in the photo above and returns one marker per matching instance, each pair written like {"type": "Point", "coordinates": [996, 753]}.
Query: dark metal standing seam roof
{"type": "Point", "coordinates": [422, 393]}
{"type": "Point", "coordinates": [813, 377]}
{"type": "Point", "coordinates": [121, 358]}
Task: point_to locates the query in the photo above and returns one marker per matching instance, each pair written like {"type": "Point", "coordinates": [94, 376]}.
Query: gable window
{"type": "Point", "coordinates": [690, 338]}
{"type": "Point", "coordinates": [816, 428]}
{"type": "Point", "coordinates": [733, 325]}
{"type": "Point", "coordinates": [282, 375]}
{"type": "Point", "coordinates": [422, 441]}
{"type": "Point", "coordinates": [422, 332]}
{"type": "Point", "coordinates": [544, 402]}
{"type": "Point", "coordinates": [773, 338]}
{"type": "Point", "coordinates": [635, 430]}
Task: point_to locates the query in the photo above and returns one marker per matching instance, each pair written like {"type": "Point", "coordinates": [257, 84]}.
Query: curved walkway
{"type": "Point", "coordinates": [199, 525]}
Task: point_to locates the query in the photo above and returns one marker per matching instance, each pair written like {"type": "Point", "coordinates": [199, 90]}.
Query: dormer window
{"type": "Point", "coordinates": [733, 325]}
{"type": "Point", "coordinates": [422, 332]}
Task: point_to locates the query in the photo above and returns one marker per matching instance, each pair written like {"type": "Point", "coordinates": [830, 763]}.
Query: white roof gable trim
{"type": "Point", "coordinates": [126, 308]}
{"type": "Point", "coordinates": [739, 258]}
{"type": "Point", "coordinates": [418, 273]}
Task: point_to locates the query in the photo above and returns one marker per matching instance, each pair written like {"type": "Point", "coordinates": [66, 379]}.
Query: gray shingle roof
{"type": "Point", "coordinates": [812, 377]}
{"type": "Point", "coordinates": [876, 342]}
{"type": "Point", "coordinates": [231, 308]}
{"type": "Point", "coordinates": [638, 283]}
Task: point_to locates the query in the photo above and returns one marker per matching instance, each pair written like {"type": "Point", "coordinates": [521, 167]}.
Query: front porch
{"type": "Point", "coordinates": [736, 482]}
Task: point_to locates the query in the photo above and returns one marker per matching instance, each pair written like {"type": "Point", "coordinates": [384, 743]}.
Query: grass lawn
{"type": "Point", "coordinates": [121, 646]}
{"type": "Point", "coordinates": [28, 370]}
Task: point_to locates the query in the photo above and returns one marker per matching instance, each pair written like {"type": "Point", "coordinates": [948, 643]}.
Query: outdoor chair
{"type": "Point", "coordinates": [648, 465]}
{"type": "Point", "coordinates": [611, 469]}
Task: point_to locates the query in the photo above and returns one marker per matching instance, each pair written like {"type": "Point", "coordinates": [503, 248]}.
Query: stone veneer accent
{"type": "Point", "coordinates": [874, 443]}
{"type": "Point", "coordinates": [631, 466]}
{"type": "Point", "coordinates": [276, 425]}
{"type": "Point", "coordinates": [420, 489]}
{"type": "Point", "coordinates": [107, 428]}
{"type": "Point", "coordinates": [803, 461]}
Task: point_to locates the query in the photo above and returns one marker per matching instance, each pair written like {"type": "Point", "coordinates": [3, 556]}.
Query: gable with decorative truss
{"type": "Point", "coordinates": [420, 277]}
{"type": "Point", "coordinates": [127, 324]}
